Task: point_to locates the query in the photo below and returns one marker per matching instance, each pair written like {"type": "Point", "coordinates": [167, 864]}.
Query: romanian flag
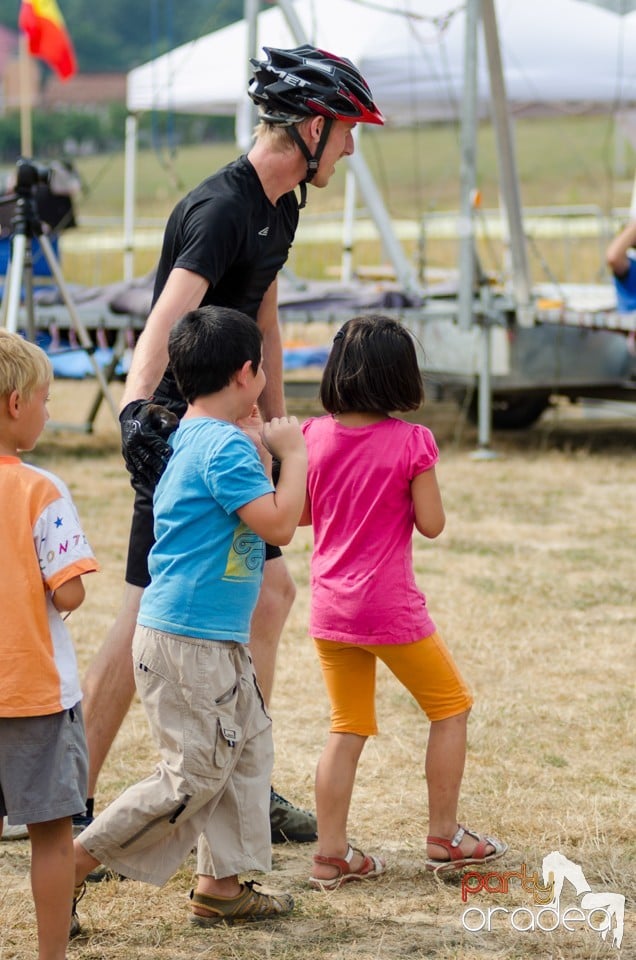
{"type": "Point", "coordinates": [44, 25]}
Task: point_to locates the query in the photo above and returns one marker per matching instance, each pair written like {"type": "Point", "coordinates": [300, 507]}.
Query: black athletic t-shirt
{"type": "Point", "coordinates": [227, 231]}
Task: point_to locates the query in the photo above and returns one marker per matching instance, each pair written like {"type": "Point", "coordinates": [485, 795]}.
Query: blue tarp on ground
{"type": "Point", "coordinates": [75, 364]}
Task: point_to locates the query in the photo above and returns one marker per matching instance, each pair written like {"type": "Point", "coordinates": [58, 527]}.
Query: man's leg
{"type": "Point", "coordinates": [109, 685]}
{"type": "Point", "coordinates": [275, 600]}
{"type": "Point", "coordinates": [272, 609]}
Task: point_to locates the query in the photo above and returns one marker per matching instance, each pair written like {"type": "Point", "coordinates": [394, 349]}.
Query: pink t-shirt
{"type": "Point", "coordinates": [362, 585]}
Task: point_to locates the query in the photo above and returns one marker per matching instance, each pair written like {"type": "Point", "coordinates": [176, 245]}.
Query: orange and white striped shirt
{"type": "Point", "coordinates": [42, 546]}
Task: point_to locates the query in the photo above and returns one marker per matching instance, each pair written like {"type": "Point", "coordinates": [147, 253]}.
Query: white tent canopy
{"type": "Point", "coordinates": [557, 55]}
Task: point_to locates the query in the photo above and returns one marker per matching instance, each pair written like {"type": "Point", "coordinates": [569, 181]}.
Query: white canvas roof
{"type": "Point", "coordinates": [563, 54]}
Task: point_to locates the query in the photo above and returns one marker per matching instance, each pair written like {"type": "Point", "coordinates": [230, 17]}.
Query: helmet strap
{"type": "Point", "coordinates": [313, 161]}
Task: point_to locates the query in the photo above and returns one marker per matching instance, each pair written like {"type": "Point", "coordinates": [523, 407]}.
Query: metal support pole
{"type": "Point", "coordinates": [484, 399]}
{"type": "Point", "coordinates": [468, 169]}
{"type": "Point", "coordinates": [246, 110]}
{"type": "Point", "coordinates": [484, 386]}
{"type": "Point", "coordinates": [130, 185]}
{"type": "Point", "coordinates": [346, 268]}
{"type": "Point", "coordinates": [484, 396]}
{"type": "Point", "coordinates": [348, 223]}
{"type": "Point", "coordinates": [404, 271]}
{"type": "Point", "coordinates": [507, 167]}
{"type": "Point", "coordinates": [293, 22]}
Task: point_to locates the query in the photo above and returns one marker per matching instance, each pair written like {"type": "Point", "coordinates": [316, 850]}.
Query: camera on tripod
{"type": "Point", "coordinates": [45, 190]}
{"type": "Point", "coordinates": [35, 199]}
{"type": "Point", "coordinates": [30, 174]}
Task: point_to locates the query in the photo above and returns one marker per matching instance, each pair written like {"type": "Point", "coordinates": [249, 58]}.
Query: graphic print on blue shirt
{"type": "Point", "coordinates": [246, 555]}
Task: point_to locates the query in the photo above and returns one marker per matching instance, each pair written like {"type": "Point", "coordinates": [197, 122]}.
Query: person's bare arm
{"type": "Point", "coordinates": [69, 596]}
{"type": "Point", "coordinates": [427, 500]}
{"type": "Point", "coordinates": [183, 291]}
{"type": "Point", "coordinates": [616, 254]}
{"type": "Point", "coordinates": [274, 517]}
{"type": "Point", "coordinates": [272, 399]}
{"type": "Point", "coordinates": [305, 517]}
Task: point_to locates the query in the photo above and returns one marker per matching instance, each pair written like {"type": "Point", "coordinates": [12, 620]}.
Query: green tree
{"type": "Point", "coordinates": [118, 35]}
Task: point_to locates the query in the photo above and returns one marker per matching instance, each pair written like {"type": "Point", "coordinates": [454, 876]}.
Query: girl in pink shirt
{"type": "Point", "coordinates": [371, 479]}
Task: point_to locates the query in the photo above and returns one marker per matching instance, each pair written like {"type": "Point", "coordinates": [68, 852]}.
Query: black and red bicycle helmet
{"type": "Point", "coordinates": [304, 81]}
{"type": "Point", "coordinates": [291, 85]}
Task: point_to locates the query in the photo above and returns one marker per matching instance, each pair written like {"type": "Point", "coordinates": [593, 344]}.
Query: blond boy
{"type": "Point", "coordinates": [43, 759]}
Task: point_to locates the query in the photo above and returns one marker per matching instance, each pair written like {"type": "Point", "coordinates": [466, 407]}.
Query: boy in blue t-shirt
{"type": "Point", "coordinates": [214, 507]}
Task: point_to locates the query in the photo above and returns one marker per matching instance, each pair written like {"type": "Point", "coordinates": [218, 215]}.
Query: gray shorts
{"type": "Point", "coordinates": [43, 767]}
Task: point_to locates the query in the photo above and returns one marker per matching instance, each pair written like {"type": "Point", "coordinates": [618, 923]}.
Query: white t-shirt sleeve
{"type": "Point", "coordinates": [60, 543]}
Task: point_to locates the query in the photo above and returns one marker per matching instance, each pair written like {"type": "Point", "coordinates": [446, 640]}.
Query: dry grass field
{"type": "Point", "coordinates": [532, 586]}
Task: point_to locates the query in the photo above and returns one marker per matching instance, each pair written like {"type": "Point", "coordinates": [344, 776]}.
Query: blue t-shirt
{"type": "Point", "coordinates": [626, 289]}
{"type": "Point", "coordinates": [206, 564]}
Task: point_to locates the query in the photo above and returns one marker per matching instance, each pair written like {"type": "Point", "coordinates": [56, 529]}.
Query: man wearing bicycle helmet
{"type": "Point", "coordinates": [224, 244]}
{"type": "Point", "coordinates": [293, 85]}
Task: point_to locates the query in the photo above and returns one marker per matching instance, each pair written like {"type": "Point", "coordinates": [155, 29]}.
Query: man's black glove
{"type": "Point", "coordinates": [145, 428]}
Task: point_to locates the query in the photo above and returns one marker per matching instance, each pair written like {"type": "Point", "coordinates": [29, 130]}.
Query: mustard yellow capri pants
{"type": "Point", "coordinates": [425, 667]}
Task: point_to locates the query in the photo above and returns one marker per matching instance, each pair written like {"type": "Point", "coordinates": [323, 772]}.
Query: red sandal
{"type": "Point", "coordinates": [456, 859]}
{"type": "Point", "coordinates": [369, 868]}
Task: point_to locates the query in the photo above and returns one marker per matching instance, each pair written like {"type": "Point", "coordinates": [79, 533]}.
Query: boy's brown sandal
{"type": "Point", "coordinates": [248, 905]}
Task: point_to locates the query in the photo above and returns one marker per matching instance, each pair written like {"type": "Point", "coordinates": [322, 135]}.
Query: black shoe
{"type": "Point", "coordinates": [103, 873]}
{"type": "Point", "coordinates": [80, 822]}
{"type": "Point", "coordinates": [289, 822]}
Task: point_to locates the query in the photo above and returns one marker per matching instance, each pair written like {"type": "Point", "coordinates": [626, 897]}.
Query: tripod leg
{"type": "Point", "coordinates": [27, 283]}
{"type": "Point", "coordinates": [13, 285]}
{"type": "Point", "coordinates": [109, 373]}
{"type": "Point", "coordinates": [78, 325]}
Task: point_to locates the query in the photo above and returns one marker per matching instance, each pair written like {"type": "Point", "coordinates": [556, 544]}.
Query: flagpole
{"type": "Point", "coordinates": [26, 137]}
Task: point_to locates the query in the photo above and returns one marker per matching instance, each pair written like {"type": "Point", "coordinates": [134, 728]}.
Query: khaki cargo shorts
{"type": "Point", "coordinates": [209, 722]}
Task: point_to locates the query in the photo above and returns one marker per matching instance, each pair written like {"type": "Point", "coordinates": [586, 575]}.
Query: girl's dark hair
{"type": "Point", "coordinates": [208, 346]}
{"type": "Point", "coordinates": [372, 367]}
